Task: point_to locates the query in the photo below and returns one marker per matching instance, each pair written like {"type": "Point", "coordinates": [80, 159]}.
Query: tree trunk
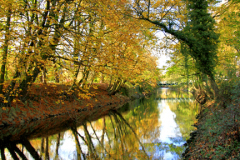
{"type": "Point", "coordinates": [5, 50]}
{"type": "Point", "coordinates": [102, 78]}
{"type": "Point", "coordinates": [215, 88]}
{"type": "Point", "coordinates": [44, 75]}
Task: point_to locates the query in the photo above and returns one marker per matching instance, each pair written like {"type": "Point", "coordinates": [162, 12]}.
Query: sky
{"type": "Point", "coordinates": [163, 56]}
{"type": "Point", "coordinates": [162, 61]}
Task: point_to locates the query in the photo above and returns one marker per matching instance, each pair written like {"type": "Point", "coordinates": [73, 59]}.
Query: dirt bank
{"type": "Point", "coordinates": [50, 100]}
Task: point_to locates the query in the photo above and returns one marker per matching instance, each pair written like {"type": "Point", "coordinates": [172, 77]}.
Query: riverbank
{"type": "Point", "coordinates": [51, 100]}
{"type": "Point", "coordinates": [218, 131]}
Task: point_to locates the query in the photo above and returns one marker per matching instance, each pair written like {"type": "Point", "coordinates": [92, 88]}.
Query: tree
{"type": "Point", "coordinates": [182, 67]}
{"type": "Point", "coordinates": [70, 39]}
{"type": "Point", "coordinates": [228, 51]}
{"type": "Point", "coordinates": [199, 33]}
{"type": "Point", "coordinates": [5, 48]}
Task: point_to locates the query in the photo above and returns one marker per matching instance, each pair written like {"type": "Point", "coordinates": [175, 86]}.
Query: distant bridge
{"type": "Point", "coordinates": [175, 99]}
{"type": "Point", "coordinates": [167, 83]}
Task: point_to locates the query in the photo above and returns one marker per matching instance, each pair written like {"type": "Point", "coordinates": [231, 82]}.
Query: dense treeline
{"type": "Point", "coordinates": [82, 42]}
{"type": "Point", "coordinates": [75, 42]}
{"type": "Point", "coordinates": [217, 134]}
{"type": "Point", "coordinates": [226, 71]}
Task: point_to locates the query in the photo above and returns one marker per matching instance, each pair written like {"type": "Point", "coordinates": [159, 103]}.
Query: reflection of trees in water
{"type": "Point", "coordinates": [44, 150]}
{"type": "Point", "coordinates": [144, 119]}
{"type": "Point", "coordinates": [186, 112]}
{"type": "Point", "coordinates": [112, 137]}
{"type": "Point", "coordinates": [57, 146]}
{"type": "Point", "coordinates": [16, 152]}
{"type": "Point", "coordinates": [46, 143]}
{"type": "Point", "coordinates": [118, 140]}
{"type": "Point", "coordinates": [164, 93]}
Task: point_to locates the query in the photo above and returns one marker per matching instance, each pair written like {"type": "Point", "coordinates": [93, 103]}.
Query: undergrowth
{"type": "Point", "coordinates": [218, 134]}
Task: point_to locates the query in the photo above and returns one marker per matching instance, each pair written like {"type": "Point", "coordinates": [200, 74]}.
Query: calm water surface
{"type": "Point", "coordinates": [150, 128]}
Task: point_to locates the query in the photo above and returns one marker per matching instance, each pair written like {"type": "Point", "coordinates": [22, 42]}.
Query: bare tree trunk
{"type": "Point", "coordinates": [56, 77]}
{"type": "Point", "coordinates": [215, 88]}
{"type": "Point", "coordinates": [44, 75]}
{"type": "Point", "coordinates": [5, 50]}
{"type": "Point", "coordinates": [92, 79]}
{"type": "Point", "coordinates": [102, 78]}
{"type": "Point", "coordinates": [56, 74]}
{"type": "Point", "coordinates": [75, 78]}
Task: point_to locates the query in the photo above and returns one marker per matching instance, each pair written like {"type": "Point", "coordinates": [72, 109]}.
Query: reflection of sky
{"type": "Point", "coordinates": [169, 132]}
{"type": "Point", "coordinates": [161, 146]}
{"type": "Point", "coordinates": [169, 128]}
{"type": "Point", "coordinates": [67, 149]}
{"type": "Point", "coordinates": [169, 135]}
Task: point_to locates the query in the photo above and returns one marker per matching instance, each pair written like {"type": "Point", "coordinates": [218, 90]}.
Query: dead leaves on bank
{"type": "Point", "coordinates": [218, 134]}
{"type": "Point", "coordinates": [52, 99]}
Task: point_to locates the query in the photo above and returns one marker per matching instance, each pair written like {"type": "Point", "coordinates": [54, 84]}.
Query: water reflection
{"type": "Point", "coordinates": [153, 128]}
{"type": "Point", "coordinates": [177, 113]}
{"type": "Point", "coordinates": [115, 139]}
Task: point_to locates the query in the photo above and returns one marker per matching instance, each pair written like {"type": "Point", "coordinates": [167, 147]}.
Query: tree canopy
{"type": "Point", "coordinates": [81, 42]}
{"type": "Point", "coordinates": [75, 42]}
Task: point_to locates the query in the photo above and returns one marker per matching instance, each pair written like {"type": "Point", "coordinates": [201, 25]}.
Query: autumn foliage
{"type": "Point", "coordinates": [72, 43]}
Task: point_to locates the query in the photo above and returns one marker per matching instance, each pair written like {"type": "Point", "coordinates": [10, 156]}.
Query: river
{"type": "Point", "coordinates": [151, 128]}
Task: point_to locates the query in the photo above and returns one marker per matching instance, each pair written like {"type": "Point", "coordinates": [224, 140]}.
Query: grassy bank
{"type": "Point", "coordinates": [218, 128]}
